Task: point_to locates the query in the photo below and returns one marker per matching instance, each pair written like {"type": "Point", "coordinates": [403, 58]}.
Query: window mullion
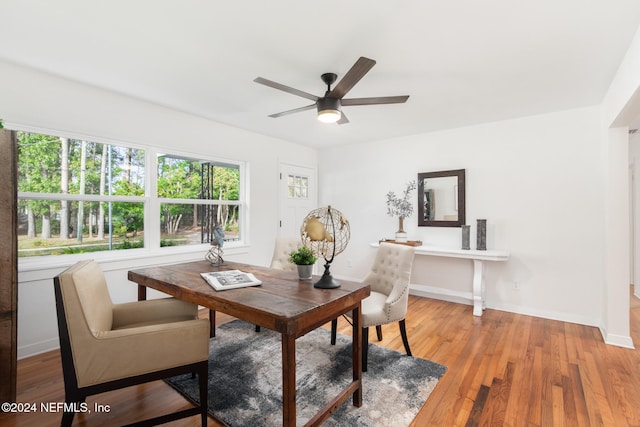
{"type": "Point", "coordinates": [152, 208]}
{"type": "Point", "coordinates": [79, 197]}
{"type": "Point", "coordinates": [198, 201]}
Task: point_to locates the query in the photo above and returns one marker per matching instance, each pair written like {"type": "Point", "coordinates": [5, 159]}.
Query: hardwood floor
{"type": "Point", "coordinates": [503, 369]}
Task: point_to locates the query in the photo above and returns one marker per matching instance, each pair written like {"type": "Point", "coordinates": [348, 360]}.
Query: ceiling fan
{"type": "Point", "coordinates": [330, 105]}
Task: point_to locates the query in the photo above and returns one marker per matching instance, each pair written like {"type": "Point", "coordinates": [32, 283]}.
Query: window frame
{"type": "Point", "coordinates": [241, 202]}
{"type": "Point", "coordinates": [151, 201]}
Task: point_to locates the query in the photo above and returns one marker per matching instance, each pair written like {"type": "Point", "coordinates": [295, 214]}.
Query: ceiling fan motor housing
{"type": "Point", "coordinates": [328, 109]}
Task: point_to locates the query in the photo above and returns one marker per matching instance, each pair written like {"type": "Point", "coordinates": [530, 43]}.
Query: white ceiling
{"type": "Point", "coordinates": [462, 62]}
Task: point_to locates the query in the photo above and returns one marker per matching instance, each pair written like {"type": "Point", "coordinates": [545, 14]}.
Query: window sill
{"type": "Point", "coordinates": [115, 260]}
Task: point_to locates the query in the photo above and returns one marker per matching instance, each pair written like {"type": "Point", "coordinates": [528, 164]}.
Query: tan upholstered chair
{"type": "Point", "coordinates": [284, 246]}
{"type": "Point", "coordinates": [389, 281]}
{"type": "Point", "coordinates": [105, 346]}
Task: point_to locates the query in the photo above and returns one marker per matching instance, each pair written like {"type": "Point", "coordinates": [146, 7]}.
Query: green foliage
{"type": "Point", "coordinates": [38, 168]}
{"type": "Point", "coordinates": [167, 242]}
{"type": "Point", "coordinates": [226, 183]}
{"type": "Point", "coordinates": [127, 217]}
{"type": "Point", "coordinates": [131, 244]}
{"type": "Point", "coordinates": [73, 250]}
{"type": "Point", "coordinates": [178, 178]}
{"type": "Point", "coordinates": [302, 256]}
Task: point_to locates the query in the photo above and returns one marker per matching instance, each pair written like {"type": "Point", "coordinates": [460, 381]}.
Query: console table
{"type": "Point", "coordinates": [478, 258]}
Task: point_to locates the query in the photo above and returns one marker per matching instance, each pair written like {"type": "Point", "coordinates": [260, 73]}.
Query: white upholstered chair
{"type": "Point", "coordinates": [389, 299]}
{"type": "Point", "coordinates": [105, 346]}
{"type": "Point", "coordinates": [281, 251]}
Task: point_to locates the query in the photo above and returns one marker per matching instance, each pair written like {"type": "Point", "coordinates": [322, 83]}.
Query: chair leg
{"type": "Point", "coordinates": [257, 328]}
{"type": "Point", "coordinates": [204, 393]}
{"type": "Point", "coordinates": [365, 348]}
{"type": "Point", "coordinates": [379, 332]}
{"type": "Point", "coordinates": [405, 341]}
{"type": "Point", "coordinates": [67, 417]}
{"type": "Point", "coordinates": [334, 331]}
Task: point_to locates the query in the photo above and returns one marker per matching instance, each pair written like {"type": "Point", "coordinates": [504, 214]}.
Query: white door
{"type": "Point", "coordinates": [298, 194]}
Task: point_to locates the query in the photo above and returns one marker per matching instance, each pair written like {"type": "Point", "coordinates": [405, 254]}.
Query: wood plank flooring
{"type": "Point", "coordinates": [504, 369]}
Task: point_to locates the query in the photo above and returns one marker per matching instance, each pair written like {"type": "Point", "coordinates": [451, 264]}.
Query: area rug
{"type": "Point", "coordinates": [245, 380]}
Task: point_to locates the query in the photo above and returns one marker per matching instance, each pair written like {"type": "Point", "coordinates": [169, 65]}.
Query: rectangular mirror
{"type": "Point", "coordinates": [441, 198]}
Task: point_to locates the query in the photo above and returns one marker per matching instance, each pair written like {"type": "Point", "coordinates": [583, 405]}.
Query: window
{"type": "Point", "coordinates": [195, 196]}
{"type": "Point", "coordinates": [298, 187]}
{"type": "Point", "coordinates": [78, 195]}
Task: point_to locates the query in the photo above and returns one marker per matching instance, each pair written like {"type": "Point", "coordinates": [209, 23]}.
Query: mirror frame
{"type": "Point", "coordinates": [460, 174]}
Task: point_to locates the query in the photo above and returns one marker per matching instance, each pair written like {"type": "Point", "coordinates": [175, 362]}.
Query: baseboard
{"type": "Point", "coordinates": [467, 299]}
{"type": "Point", "coordinates": [617, 340]}
{"type": "Point", "coordinates": [545, 314]}
{"type": "Point", "coordinates": [449, 295]}
{"type": "Point", "coordinates": [38, 348]}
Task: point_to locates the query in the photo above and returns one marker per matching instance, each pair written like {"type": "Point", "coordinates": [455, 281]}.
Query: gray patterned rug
{"type": "Point", "coordinates": [245, 380]}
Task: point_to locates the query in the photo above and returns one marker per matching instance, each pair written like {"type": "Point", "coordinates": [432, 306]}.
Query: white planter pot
{"type": "Point", "coordinates": [401, 237]}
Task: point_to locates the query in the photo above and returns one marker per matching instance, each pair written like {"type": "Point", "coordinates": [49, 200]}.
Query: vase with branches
{"type": "Point", "coordinates": [402, 207]}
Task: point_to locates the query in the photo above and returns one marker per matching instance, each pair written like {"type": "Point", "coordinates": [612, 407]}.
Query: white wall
{"type": "Point", "coordinates": [634, 164]}
{"type": "Point", "coordinates": [621, 109]}
{"type": "Point", "coordinates": [538, 182]}
{"type": "Point", "coordinates": [53, 104]}
{"type": "Point", "coordinates": [615, 327]}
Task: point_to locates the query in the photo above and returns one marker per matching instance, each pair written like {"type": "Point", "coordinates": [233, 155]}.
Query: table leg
{"type": "Point", "coordinates": [288, 380]}
{"type": "Point", "coordinates": [212, 323]}
{"type": "Point", "coordinates": [356, 345]}
{"type": "Point", "coordinates": [478, 287]}
{"type": "Point", "coordinates": [142, 293]}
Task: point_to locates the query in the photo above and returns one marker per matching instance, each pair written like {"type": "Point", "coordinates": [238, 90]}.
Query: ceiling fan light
{"type": "Point", "coordinates": [329, 110]}
{"type": "Point", "coordinates": [329, 116]}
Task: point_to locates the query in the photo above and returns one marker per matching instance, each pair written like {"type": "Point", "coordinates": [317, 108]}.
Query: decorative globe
{"type": "Point", "coordinates": [326, 232]}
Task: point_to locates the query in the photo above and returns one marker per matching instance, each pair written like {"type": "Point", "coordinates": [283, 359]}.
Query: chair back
{"type": "Point", "coordinates": [391, 270]}
{"type": "Point", "coordinates": [284, 246]}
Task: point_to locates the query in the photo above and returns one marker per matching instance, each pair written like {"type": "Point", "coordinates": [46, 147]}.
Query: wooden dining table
{"type": "Point", "coordinates": [283, 303]}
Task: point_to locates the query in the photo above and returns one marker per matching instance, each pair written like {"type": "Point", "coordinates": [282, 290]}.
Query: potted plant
{"type": "Point", "coordinates": [304, 258]}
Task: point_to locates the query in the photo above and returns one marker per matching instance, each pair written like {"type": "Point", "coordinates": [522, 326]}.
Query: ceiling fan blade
{"type": "Point", "coordinates": [353, 76]}
{"type": "Point", "coordinates": [343, 119]}
{"type": "Point", "coordinates": [295, 110]}
{"type": "Point", "coordinates": [285, 88]}
{"type": "Point", "coordinates": [375, 100]}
